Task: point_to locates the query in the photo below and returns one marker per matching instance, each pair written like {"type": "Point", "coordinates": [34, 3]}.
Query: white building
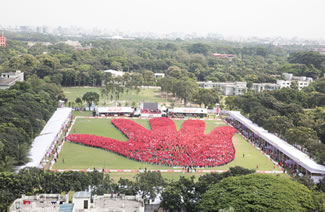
{"type": "Point", "coordinates": [115, 73]}
{"type": "Point", "coordinates": [8, 79]}
{"type": "Point", "coordinates": [84, 201]}
{"type": "Point", "coordinates": [289, 78]}
{"type": "Point", "coordinates": [81, 202]}
{"type": "Point", "coordinates": [114, 111]}
{"type": "Point", "coordinates": [159, 75]}
{"type": "Point", "coordinates": [41, 202]}
{"type": "Point", "coordinates": [259, 87]}
{"type": "Point", "coordinates": [182, 112]}
{"type": "Point", "coordinates": [227, 88]}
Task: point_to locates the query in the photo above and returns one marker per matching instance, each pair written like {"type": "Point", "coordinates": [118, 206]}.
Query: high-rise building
{"type": "Point", "coordinates": [3, 40]}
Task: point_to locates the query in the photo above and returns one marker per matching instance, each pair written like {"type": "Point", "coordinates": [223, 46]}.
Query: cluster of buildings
{"type": "Point", "coordinates": [8, 79]}
{"type": "Point", "coordinates": [239, 88]}
{"type": "Point", "coordinates": [152, 110]}
{"type": "Point", "coordinates": [3, 42]}
{"type": "Point", "coordinates": [81, 202]}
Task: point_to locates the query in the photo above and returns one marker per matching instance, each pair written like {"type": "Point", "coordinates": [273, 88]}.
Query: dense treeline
{"type": "Point", "coordinates": [69, 67]}
{"type": "Point", "coordinates": [239, 189]}
{"type": "Point", "coordinates": [24, 110]}
{"type": "Point", "coordinates": [183, 62]}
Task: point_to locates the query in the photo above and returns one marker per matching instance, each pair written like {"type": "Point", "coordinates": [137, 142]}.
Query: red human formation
{"type": "Point", "coordinates": [164, 145]}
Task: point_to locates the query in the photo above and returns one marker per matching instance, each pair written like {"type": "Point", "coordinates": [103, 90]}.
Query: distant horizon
{"type": "Point", "coordinates": [233, 18]}
{"type": "Point", "coordinates": [116, 32]}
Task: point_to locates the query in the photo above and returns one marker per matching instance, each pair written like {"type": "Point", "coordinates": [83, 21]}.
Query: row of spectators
{"type": "Point", "coordinates": [266, 148]}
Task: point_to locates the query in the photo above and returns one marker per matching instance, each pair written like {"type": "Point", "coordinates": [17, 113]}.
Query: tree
{"type": "Point", "coordinates": [127, 187]}
{"type": "Point", "coordinates": [257, 192]}
{"type": "Point", "coordinates": [90, 97]}
{"type": "Point", "coordinates": [294, 85]}
{"type": "Point", "coordinates": [149, 77]}
{"type": "Point", "coordinates": [166, 84]}
{"type": "Point", "coordinates": [149, 184]}
{"type": "Point", "coordinates": [278, 124]}
{"type": "Point", "coordinates": [78, 101]}
{"type": "Point", "coordinates": [176, 72]}
{"type": "Point", "coordinates": [303, 136]}
{"type": "Point", "coordinates": [186, 88]}
{"type": "Point", "coordinates": [116, 66]}
{"type": "Point", "coordinates": [198, 48]}
{"type": "Point", "coordinates": [207, 97]}
{"type": "Point", "coordinates": [307, 58]}
{"type": "Point", "coordinates": [171, 198]}
{"type": "Point", "coordinates": [113, 89]}
{"type": "Point", "coordinates": [212, 178]}
{"type": "Point", "coordinates": [180, 195]}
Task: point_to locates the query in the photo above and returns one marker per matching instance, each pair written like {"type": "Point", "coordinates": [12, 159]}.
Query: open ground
{"type": "Point", "coordinates": [147, 95]}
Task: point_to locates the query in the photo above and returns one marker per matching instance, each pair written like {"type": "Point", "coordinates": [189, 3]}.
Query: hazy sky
{"type": "Point", "coordinates": [286, 18]}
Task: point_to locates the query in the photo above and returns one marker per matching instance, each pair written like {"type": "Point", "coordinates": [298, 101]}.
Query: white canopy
{"type": "Point", "coordinates": [189, 110]}
{"type": "Point", "coordinates": [47, 137]}
{"type": "Point", "coordinates": [296, 155]}
{"type": "Point", "coordinates": [115, 110]}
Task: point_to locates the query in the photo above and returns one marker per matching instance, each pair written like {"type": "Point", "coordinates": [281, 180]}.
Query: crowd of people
{"type": "Point", "coordinates": [164, 145]}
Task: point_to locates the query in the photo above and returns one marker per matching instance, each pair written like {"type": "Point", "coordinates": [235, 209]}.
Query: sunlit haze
{"type": "Point", "coordinates": [288, 18]}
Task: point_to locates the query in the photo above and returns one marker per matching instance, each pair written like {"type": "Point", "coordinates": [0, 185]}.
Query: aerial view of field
{"type": "Point", "coordinates": [77, 156]}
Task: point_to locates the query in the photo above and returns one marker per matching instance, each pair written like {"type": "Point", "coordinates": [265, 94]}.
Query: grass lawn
{"type": "Point", "coordinates": [148, 95]}
{"type": "Point", "coordinates": [77, 156]}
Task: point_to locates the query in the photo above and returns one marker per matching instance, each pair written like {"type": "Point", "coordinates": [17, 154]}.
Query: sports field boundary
{"type": "Point", "coordinates": [155, 170]}
{"type": "Point", "coordinates": [160, 170]}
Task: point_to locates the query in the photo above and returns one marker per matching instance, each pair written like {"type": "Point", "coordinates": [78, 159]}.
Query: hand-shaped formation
{"type": "Point", "coordinates": [165, 145]}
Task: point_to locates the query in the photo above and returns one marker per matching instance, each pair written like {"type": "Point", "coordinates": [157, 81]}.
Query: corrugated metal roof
{"type": "Point", "coordinates": [67, 207]}
{"type": "Point", "coordinates": [82, 194]}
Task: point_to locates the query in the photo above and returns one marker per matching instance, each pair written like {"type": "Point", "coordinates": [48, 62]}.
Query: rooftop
{"type": "Point", "coordinates": [39, 203]}
{"type": "Point", "coordinates": [6, 81]}
{"type": "Point", "coordinates": [82, 194]}
{"type": "Point", "coordinates": [113, 203]}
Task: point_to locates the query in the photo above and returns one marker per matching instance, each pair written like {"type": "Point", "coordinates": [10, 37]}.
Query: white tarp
{"type": "Point", "coordinates": [295, 154]}
{"type": "Point", "coordinates": [47, 137]}
{"type": "Point", "coordinates": [115, 110]}
{"type": "Point", "coordinates": [189, 110]}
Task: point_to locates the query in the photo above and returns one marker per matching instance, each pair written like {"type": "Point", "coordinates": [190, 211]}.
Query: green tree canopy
{"type": "Point", "coordinates": [90, 97]}
{"type": "Point", "coordinates": [258, 192]}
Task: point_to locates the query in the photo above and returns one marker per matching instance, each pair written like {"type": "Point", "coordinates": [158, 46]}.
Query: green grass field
{"type": "Point", "coordinates": [148, 95]}
{"type": "Point", "coordinates": [77, 156]}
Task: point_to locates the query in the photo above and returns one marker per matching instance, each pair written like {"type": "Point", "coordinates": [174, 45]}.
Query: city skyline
{"type": "Point", "coordinates": [230, 18]}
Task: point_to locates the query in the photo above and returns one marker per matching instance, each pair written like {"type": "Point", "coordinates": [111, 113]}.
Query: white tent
{"type": "Point", "coordinates": [189, 110]}
{"type": "Point", "coordinates": [115, 110]}
{"type": "Point", "coordinates": [295, 154]}
{"type": "Point", "coordinates": [48, 137]}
